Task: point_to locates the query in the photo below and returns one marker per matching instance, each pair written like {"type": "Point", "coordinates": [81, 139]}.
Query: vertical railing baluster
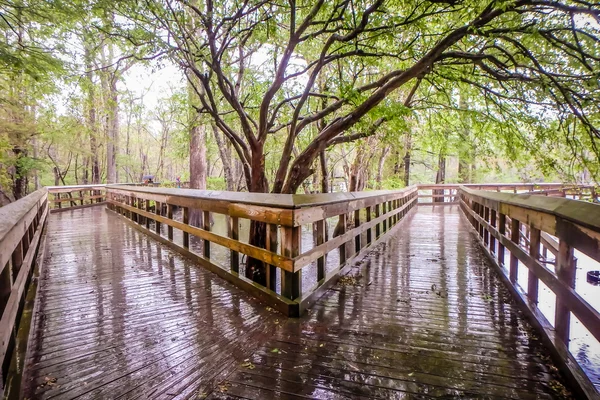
{"type": "Point", "coordinates": [320, 231]}
{"type": "Point", "coordinates": [357, 245]}
{"type": "Point", "coordinates": [383, 212]}
{"type": "Point", "coordinates": [272, 246]}
{"type": "Point", "coordinates": [493, 222]}
{"type": "Point", "coordinates": [157, 211]}
{"type": "Point", "coordinates": [291, 282]}
{"type": "Point", "coordinates": [370, 230]}
{"type": "Point", "coordinates": [486, 217]}
{"type": "Point", "coordinates": [502, 232]}
{"type": "Point", "coordinates": [170, 216]}
{"type": "Point", "coordinates": [206, 227]}
{"type": "Point", "coordinates": [342, 223]}
{"type": "Point", "coordinates": [534, 252]}
{"type": "Point", "coordinates": [141, 219]}
{"type": "Point", "coordinates": [565, 271]}
{"type": "Point", "coordinates": [186, 220]}
{"type": "Point", "coordinates": [377, 228]}
{"type": "Point", "coordinates": [515, 238]}
{"type": "Point", "coordinates": [147, 206]}
{"type": "Point", "coordinates": [234, 256]}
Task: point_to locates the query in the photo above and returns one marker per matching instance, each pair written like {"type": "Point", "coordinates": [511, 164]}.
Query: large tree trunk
{"type": "Point", "coordinates": [225, 153]}
{"type": "Point", "coordinates": [113, 132]}
{"type": "Point", "coordinates": [256, 269]}
{"type": "Point", "coordinates": [91, 113]}
{"type": "Point", "coordinates": [440, 177]}
{"type": "Point", "coordinates": [197, 166]}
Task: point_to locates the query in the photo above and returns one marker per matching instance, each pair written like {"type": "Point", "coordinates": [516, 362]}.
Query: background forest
{"type": "Point", "coordinates": [297, 96]}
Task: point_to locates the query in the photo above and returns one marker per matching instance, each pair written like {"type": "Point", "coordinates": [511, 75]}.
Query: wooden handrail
{"type": "Point", "coordinates": [85, 196]}
{"type": "Point", "coordinates": [447, 193]}
{"type": "Point", "coordinates": [363, 219]}
{"type": "Point", "coordinates": [575, 223]}
{"type": "Point", "coordinates": [21, 227]}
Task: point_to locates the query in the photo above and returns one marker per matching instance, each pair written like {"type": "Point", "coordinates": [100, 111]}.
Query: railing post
{"type": "Point", "coordinates": [17, 258]}
{"type": "Point", "coordinates": [357, 245]}
{"type": "Point", "coordinates": [234, 256]}
{"type": "Point", "coordinates": [492, 237]}
{"type": "Point", "coordinates": [271, 246]}
{"type": "Point", "coordinates": [383, 212]}
{"type": "Point", "coordinates": [170, 216]}
{"type": "Point", "coordinates": [515, 237]}
{"type": "Point", "coordinates": [134, 203]}
{"type": "Point", "coordinates": [565, 271]}
{"type": "Point", "coordinates": [534, 252]}
{"type": "Point", "coordinates": [206, 227]}
{"type": "Point", "coordinates": [186, 220]}
{"type": "Point", "coordinates": [291, 282]}
{"type": "Point", "coordinates": [157, 211]}
{"type": "Point", "coordinates": [342, 223]}
{"type": "Point", "coordinates": [377, 228]}
{"type": "Point", "coordinates": [140, 206]}
{"type": "Point", "coordinates": [320, 228]}
{"type": "Point", "coordinates": [147, 206]}
{"type": "Point", "coordinates": [502, 232]}
{"type": "Point", "coordinates": [370, 230]}
{"type": "Point", "coordinates": [486, 232]}
{"type": "Point", "coordinates": [57, 197]}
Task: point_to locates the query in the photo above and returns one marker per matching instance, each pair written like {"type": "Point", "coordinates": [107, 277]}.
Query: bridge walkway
{"type": "Point", "coordinates": [119, 315]}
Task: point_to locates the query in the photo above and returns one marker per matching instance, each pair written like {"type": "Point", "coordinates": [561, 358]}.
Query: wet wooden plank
{"type": "Point", "coordinates": [121, 315]}
{"type": "Point", "coordinates": [427, 318]}
{"type": "Point", "coordinates": [124, 317]}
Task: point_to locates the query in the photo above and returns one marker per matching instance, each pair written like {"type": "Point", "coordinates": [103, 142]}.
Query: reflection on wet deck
{"type": "Point", "coordinates": [121, 316]}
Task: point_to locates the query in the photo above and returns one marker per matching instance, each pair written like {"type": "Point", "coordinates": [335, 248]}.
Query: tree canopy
{"type": "Point", "coordinates": [291, 95]}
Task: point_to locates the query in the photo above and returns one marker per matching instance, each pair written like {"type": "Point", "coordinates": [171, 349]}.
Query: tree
{"type": "Point", "coordinates": [516, 53]}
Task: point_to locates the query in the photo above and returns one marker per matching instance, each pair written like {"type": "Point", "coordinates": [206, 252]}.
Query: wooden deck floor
{"type": "Point", "coordinates": [120, 316]}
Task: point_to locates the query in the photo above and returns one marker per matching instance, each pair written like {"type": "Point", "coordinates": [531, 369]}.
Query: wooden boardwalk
{"type": "Point", "coordinates": [120, 316]}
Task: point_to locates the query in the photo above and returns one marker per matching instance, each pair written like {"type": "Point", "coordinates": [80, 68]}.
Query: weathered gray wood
{"type": "Point", "coordinates": [291, 282]}
{"type": "Point", "coordinates": [320, 239]}
{"type": "Point", "coordinates": [514, 260]}
{"type": "Point", "coordinates": [534, 252]}
{"type": "Point", "coordinates": [234, 235]}
{"type": "Point", "coordinates": [15, 219]}
{"type": "Point", "coordinates": [565, 271]}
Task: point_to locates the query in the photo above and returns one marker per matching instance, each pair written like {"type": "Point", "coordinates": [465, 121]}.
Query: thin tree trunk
{"type": "Point", "coordinates": [324, 175]}
{"type": "Point", "coordinates": [382, 157]}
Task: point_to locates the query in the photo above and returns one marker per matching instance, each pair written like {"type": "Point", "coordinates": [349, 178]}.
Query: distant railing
{"type": "Point", "coordinates": [520, 229]}
{"type": "Point", "coordinates": [448, 193]}
{"type": "Point", "coordinates": [76, 196]}
{"type": "Point", "coordinates": [363, 219]}
{"type": "Point", "coordinates": [21, 227]}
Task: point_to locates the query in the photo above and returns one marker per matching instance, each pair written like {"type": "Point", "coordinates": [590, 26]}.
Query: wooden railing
{"type": "Point", "coordinates": [21, 249]}
{"type": "Point", "coordinates": [448, 193]}
{"type": "Point", "coordinates": [361, 219]}
{"type": "Point", "coordinates": [76, 196]}
{"type": "Point", "coordinates": [519, 229]}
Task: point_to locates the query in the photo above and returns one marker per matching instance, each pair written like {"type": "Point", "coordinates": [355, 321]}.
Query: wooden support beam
{"type": "Point", "coordinates": [234, 256]}
{"type": "Point", "coordinates": [565, 271]}
{"type": "Point", "coordinates": [514, 261]}
{"type": "Point", "coordinates": [534, 252]}
{"type": "Point", "coordinates": [291, 282]}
